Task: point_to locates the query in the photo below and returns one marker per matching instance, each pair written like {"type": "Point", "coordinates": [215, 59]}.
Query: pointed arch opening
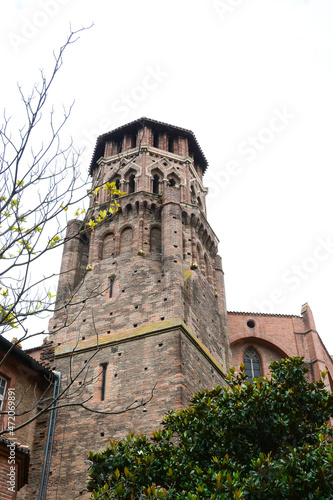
{"type": "Point", "coordinates": [131, 184]}
{"type": "Point", "coordinates": [156, 184]}
{"type": "Point", "coordinates": [173, 180]}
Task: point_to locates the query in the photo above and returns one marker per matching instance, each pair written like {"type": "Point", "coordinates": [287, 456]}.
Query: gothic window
{"type": "Point", "coordinates": [3, 384]}
{"type": "Point", "coordinates": [252, 364]}
{"type": "Point", "coordinates": [108, 246]}
{"type": "Point", "coordinates": [118, 184]}
{"type": "Point", "coordinates": [173, 180]}
{"type": "Point", "coordinates": [156, 184]}
{"type": "Point", "coordinates": [155, 240]}
{"type": "Point", "coordinates": [126, 240]}
{"type": "Point", "coordinates": [131, 184]}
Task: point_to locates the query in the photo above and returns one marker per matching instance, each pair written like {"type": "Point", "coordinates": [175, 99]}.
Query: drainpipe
{"type": "Point", "coordinates": [50, 437]}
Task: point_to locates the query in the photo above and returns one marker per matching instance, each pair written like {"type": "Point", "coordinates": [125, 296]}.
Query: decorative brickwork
{"type": "Point", "coordinates": [147, 310]}
{"type": "Point", "coordinates": [141, 307]}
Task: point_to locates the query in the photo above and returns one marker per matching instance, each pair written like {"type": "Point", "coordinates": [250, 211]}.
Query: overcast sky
{"type": "Point", "coordinates": [252, 79]}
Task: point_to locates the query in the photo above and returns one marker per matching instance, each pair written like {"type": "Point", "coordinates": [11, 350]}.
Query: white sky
{"type": "Point", "coordinates": [227, 70]}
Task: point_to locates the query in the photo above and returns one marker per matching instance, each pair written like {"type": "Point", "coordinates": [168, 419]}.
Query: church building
{"type": "Point", "coordinates": [141, 322]}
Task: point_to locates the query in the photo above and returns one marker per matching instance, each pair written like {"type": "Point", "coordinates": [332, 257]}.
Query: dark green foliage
{"type": "Point", "coordinates": [266, 440]}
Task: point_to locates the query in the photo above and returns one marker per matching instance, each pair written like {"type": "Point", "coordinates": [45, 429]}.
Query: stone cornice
{"type": "Point", "coordinates": [145, 148]}
{"type": "Point", "coordinates": [136, 334]}
{"type": "Point", "coordinates": [197, 178]}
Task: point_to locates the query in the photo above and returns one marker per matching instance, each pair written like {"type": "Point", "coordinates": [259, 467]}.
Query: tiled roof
{"type": "Point", "coordinates": [5, 345]}
{"type": "Point", "coordinates": [99, 150]}
{"type": "Point", "coordinates": [263, 314]}
{"type": "Point", "coordinates": [18, 446]}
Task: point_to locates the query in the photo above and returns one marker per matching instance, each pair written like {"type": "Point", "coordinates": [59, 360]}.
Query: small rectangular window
{"type": "Point", "coordinates": [133, 140]}
{"type": "Point", "coordinates": [111, 288]}
{"type": "Point", "coordinates": [3, 384]}
{"type": "Point", "coordinates": [104, 366]}
{"type": "Point", "coordinates": [118, 146]}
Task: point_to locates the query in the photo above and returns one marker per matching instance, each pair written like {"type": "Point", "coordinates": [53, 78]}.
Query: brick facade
{"type": "Point", "coordinates": [28, 382]}
{"type": "Point", "coordinates": [144, 299]}
{"type": "Point", "coordinates": [141, 308]}
{"type": "Point", "coordinates": [279, 336]}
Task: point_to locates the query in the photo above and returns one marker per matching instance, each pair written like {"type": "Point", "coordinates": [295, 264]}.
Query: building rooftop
{"type": "Point", "coordinates": [159, 126]}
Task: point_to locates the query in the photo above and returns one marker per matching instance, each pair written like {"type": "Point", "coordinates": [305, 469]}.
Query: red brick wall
{"type": "Point", "coordinates": [29, 387]}
{"type": "Point", "coordinates": [276, 336]}
{"type": "Point", "coordinates": [157, 286]}
{"type": "Point", "coordinates": [168, 360]}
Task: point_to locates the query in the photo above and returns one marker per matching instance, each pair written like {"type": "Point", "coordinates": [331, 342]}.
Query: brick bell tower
{"type": "Point", "coordinates": [149, 302]}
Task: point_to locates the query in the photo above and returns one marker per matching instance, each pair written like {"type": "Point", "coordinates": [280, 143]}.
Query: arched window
{"type": "Point", "coordinates": [171, 182]}
{"type": "Point", "coordinates": [108, 246]}
{"type": "Point", "coordinates": [156, 184]}
{"type": "Point", "coordinates": [252, 364]}
{"type": "Point", "coordinates": [131, 184]}
{"type": "Point", "coordinates": [155, 240]}
{"type": "Point", "coordinates": [126, 240]}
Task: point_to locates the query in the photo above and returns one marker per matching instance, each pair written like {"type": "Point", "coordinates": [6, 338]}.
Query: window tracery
{"type": "Point", "coordinates": [251, 361]}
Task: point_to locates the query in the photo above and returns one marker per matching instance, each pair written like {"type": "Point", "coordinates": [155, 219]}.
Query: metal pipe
{"type": "Point", "coordinates": [50, 438]}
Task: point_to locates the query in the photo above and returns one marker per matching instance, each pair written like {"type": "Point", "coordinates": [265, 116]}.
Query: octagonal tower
{"type": "Point", "coordinates": [146, 303]}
